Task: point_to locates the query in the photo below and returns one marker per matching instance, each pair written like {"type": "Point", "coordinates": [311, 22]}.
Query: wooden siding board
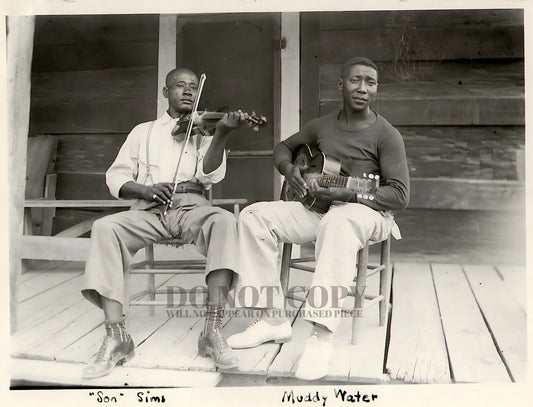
{"type": "Point", "coordinates": [467, 194]}
{"type": "Point", "coordinates": [462, 236]}
{"type": "Point", "coordinates": [100, 101]}
{"type": "Point", "coordinates": [423, 43]}
{"type": "Point", "coordinates": [464, 151]}
{"type": "Point", "coordinates": [91, 42]}
{"type": "Point", "coordinates": [423, 18]}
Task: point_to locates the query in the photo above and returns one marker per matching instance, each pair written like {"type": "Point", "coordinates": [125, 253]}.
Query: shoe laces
{"type": "Point", "coordinates": [99, 356]}
{"type": "Point", "coordinates": [254, 322]}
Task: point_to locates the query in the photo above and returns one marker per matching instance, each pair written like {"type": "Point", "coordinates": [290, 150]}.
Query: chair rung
{"type": "Point", "coordinates": [149, 303]}
{"type": "Point", "coordinates": [302, 267]}
{"type": "Point", "coordinates": [373, 301]}
{"type": "Point", "coordinates": [166, 291]}
{"type": "Point", "coordinates": [374, 269]}
{"type": "Point", "coordinates": [302, 259]}
{"type": "Point", "coordinates": [296, 297]}
{"type": "Point", "coordinates": [190, 270]}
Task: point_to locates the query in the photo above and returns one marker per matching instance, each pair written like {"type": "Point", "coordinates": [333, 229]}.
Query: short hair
{"type": "Point", "coordinates": [357, 61]}
{"type": "Point", "coordinates": [170, 76]}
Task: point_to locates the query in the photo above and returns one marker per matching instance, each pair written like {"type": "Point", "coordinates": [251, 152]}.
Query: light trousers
{"type": "Point", "coordinates": [116, 238]}
{"type": "Point", "coordinates": [339, 234]}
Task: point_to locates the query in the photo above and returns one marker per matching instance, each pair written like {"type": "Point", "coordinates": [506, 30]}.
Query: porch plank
{"type": "Point", "coordinates": [362, 363]}
{"type": "Point", "coordinates": [417, 351]}
{"type": "Point", "coordinates": [254, 360]}
{"type": "Point", "coordinates": [514, 278]}
{"type": "Point", "coordinates": [69, 374]}
{"type": "Point", "coordinates": [507, 322]}
{"type": "Point", "coordinates": [140, 326]}
{"type": "Point", "coordinates": [30, 274]}
{"type": "Point", "coordinates": [41, 308]}
{"type": "Point", "coordinates": [44, 282]}
{"type": "Point", "coordinates": [473, 356]}
{"type": "Point", "coordinates": [152, 352]}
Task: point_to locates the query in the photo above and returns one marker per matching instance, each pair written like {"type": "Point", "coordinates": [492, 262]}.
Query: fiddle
{"type": "Point", "coordinates": [205, 121]}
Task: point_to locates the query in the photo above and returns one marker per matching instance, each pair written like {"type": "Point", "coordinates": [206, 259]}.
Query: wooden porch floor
{"type": "Point", "coordinates": [449, 323]}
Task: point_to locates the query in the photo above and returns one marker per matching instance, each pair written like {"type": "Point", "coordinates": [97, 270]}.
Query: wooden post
{"type": "Point", "coordinates": [290, 83]}
{"type": "Point", "coordinates": [167, 56]}
{"type": "Point", "coordinates": [20, 30]}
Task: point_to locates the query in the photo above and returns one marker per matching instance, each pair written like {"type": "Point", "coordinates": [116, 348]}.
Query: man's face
{"type": "Point", "coordinates": [181, 91]}
{"type": "Point", "coordinates": [359, 86]}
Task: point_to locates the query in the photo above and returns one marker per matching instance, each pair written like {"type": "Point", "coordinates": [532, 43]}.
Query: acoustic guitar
{"type": "Point", "coordinates": [314, 164]}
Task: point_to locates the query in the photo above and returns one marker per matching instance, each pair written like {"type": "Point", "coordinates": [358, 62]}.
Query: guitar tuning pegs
{"type": "Point", "coordinates": [364, 175]}
{"type": "Point", "coordinates": [377, 177]}
{"type": "Point", "coordinates": [359, 195]}
{"type": "Point", "coordinates": [365, 196]}
{"type": "Point", "coordinates": [371, 176]}
{"type": "Point", "coordinates": [371, 198]}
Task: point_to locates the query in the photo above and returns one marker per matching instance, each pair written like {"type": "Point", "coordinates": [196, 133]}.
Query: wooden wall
{"type": "Point", "coordinates": [452, 82]}
{"type": "Point", "coordinates": [93, 79]}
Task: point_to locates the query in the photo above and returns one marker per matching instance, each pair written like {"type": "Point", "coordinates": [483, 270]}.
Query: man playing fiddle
{"type": "Point", "coordinates": [364, 142]}
{"type": "Point", "coordinates": [144, 170]}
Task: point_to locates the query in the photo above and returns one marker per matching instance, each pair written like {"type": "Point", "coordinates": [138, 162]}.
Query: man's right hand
{"type": "Point", "coordinates": [293, 175]}
{"type": "Point", "coordinates": [161, 193]}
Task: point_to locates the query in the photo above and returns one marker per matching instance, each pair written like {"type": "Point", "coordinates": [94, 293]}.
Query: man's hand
{"type": "Point", "coordinates": [230, 121]}
{"type": "Point", "coordinates": [161, 193]}
{"type": "Point", "coordinates": [293, 175]}
{"type": "Point", "coordinates": [329, 194]}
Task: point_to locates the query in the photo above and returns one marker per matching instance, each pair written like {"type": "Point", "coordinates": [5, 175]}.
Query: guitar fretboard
{"type": "Point", "coordinates": [332, 181]}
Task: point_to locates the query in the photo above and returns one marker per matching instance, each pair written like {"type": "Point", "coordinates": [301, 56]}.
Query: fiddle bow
{"type": "Point", "coordinates": [187, 137]}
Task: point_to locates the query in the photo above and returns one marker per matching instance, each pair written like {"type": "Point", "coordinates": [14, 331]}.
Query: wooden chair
{"type": "Point", "coordinates": [150, 266]}
{"type": "Point", "coordinates": [385, 275]}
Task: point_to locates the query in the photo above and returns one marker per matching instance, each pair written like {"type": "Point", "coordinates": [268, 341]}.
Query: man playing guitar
{"type": "Point", "coordinates": [363, 142]}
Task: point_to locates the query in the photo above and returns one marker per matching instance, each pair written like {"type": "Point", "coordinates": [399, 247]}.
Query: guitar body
{"type": "Point", "coordinates": [314, 164]}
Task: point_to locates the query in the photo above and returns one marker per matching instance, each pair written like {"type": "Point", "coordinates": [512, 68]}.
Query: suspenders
{"type": "Point", "coordinates": [149, 178]}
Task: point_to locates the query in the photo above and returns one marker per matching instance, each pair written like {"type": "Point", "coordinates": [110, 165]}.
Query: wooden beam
{"type": "Point", "coordinates": [467, 194]}
{"type": "Point", "coordinates": [111, 203]}
{"type": "Point", "coordinates": [167, 56]}
{"type": "Point", "coordinates": [20, 31]}
{"type": "Point", "coordinates": [54, 248]}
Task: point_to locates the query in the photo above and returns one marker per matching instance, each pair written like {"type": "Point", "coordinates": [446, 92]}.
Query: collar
{"type": "Point", "coordinates": [165, 119]}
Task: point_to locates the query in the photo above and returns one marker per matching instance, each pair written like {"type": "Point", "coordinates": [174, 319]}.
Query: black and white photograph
{"type": "Point", "coordinates": [246, 202]}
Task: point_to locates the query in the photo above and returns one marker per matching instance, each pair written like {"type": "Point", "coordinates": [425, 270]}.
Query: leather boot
{"type": "Point", "coordinates": [212, 343]}
{"type": "Point", "coordinates": [117, 348]}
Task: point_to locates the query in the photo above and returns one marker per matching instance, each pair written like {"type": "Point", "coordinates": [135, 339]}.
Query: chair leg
{"type": "Point", "coordinates": [359, 295]}
{"type": "Point", "coordinates": [385, 277]}
{"type": "Point", "coordinates": [285, 267]}
{"type": "Point", "coordinates": [150, 283]}
{"type": "Point", "coordinates": [127, 291]}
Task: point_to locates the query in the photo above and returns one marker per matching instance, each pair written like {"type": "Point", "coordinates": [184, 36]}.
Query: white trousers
{"type": "Point", "coordinates": [116, 238]}
{"type": "Point", "coordinates": [339, 235]}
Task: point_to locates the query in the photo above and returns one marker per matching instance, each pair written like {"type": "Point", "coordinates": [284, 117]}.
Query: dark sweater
{"type": "Point", "coordinates": [377, 149]}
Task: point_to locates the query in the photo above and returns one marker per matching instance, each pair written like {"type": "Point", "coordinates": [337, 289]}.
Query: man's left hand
{"type": "Point", "coordinates": [230, 121]}
{"type": "Point", "coordinates": [329, 194]}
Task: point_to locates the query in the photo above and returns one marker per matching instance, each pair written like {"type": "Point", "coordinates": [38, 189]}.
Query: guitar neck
{"type": "Point", "coordinates": [332, 181]}
{"type": "Point", "coordinates": [364, 185]}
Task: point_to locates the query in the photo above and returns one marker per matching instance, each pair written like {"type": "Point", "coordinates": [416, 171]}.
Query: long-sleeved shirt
{"type": "Point", "coordinates": [377, 149]}
{"type": "Point", "coordinates": [164, 151]}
